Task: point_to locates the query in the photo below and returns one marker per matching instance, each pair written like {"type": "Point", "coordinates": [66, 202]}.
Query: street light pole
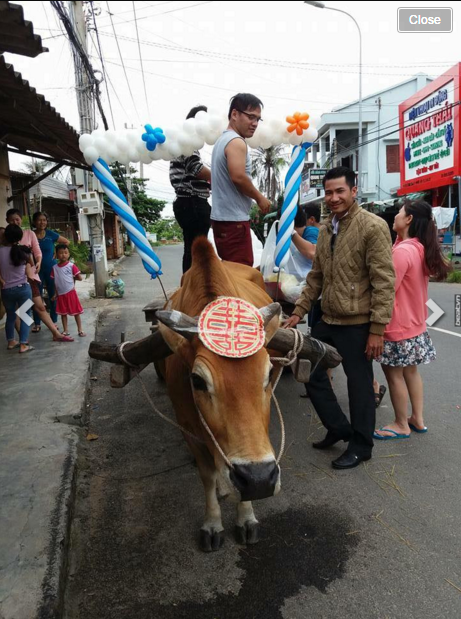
{"type": "Point", "coordinates": [321, 5]}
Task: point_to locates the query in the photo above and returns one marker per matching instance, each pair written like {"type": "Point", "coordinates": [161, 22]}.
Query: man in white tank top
{"type": "Point", "coordinates": [232, 187]}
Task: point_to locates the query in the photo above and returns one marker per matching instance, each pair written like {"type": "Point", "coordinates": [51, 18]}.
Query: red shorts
{"type": "Point", "coordinates": [233, 241]}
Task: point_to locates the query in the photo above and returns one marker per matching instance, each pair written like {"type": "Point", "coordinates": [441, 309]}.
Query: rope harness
{"type": "Point", "coordinates": [284, 362]}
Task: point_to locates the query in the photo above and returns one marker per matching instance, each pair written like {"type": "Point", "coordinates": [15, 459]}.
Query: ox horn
{"type": "Point", "coordinates": [269, 312]}
{"type": "Point", "coordinates": [179, 323]}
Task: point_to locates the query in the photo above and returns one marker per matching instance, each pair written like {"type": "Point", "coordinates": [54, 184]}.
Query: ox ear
{"type": "Point", "coordinates": [272, 316]}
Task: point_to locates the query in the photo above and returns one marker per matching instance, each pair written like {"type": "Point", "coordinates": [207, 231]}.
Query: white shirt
{"type": "Point", "coordinates": [64, 277]}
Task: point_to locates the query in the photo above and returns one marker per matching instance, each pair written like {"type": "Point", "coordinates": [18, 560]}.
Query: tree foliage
{"type": "Point", "coordinates": [148, 210]}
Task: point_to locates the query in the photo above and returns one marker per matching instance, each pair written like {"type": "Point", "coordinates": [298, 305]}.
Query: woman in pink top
{"type": "Point", "coordinates": [416, 255]}
{"type": "Point", "coordinates": [29, 239]}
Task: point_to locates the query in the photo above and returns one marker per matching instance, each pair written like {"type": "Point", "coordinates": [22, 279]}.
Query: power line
{"type": "Point", "coordinates": [221, 88]}
{"type": "Point", "coordinates": [254, 60]}
{"type": "Point", "coordinates": [101, 57]}
{"type": "Point", "coordinates": [123, 64]}
{"type": "Point", "coordinates": [140, 60]}
{"type": "Point", "coordinates": [78, 50]}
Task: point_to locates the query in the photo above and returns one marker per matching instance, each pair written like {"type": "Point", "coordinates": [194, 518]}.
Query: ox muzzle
{"type": "Point", "coordinates": [256, 480]}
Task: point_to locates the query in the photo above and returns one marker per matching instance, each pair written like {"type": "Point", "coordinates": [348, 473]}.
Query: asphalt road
{"type": "Point", "coordinates": [380, 542]}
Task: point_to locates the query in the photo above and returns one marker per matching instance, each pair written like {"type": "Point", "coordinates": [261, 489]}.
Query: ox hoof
{"type": "Point", "coordinates": [211, 541]}
{"type": "Point", "coordinates": [248, 534]}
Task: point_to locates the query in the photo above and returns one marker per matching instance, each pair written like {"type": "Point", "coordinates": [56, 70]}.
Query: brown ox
{"type": "Point", "coordinates": [232, 395]}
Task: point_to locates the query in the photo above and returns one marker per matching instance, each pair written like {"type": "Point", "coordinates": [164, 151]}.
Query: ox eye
{"type": "Point", "coordinates": [199, 383]}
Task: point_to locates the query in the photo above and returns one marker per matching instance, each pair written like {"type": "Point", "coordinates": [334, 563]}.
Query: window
{"type": "Point", "coordinates": [392, 159]}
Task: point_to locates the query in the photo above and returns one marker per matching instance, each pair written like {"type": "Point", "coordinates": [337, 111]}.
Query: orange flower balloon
{"type": "Point", "coordinates": [298, 122]}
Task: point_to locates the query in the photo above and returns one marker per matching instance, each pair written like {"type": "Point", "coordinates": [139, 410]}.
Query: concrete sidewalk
{"type": "Point", "coordinates": [42, 397]}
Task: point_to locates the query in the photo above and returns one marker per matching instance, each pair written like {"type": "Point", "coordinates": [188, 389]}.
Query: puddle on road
{"type": "Point", "coordinates": [299, 548]}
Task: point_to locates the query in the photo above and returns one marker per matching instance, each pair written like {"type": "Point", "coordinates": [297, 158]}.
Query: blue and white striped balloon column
{"type": "Point", "coordinates": [290, 206]}
{"type": "Point", "coordinates": [121, 207]}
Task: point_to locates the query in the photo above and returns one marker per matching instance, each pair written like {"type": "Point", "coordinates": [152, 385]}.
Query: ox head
{"type": "Point", "coordinates": [234, 397]}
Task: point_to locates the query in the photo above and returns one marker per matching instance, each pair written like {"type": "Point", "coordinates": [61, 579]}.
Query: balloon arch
{"type": "Point", "coordinates": [101, 148]}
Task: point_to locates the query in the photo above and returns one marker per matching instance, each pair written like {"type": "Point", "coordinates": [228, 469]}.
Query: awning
{"type": "Point", "coordinates": [30, 124]}
{"type": "Point", "coordinates": [17, 35]}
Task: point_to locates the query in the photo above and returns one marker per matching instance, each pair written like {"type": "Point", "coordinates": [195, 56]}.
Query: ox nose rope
{"type": "Point", "coordinates": [287, 361]}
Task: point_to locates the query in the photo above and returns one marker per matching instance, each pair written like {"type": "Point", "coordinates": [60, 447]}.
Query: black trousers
{"type": "Point", "coordinates": [351, 344]}
{"type": "Point", "coordinates": [193, 215]}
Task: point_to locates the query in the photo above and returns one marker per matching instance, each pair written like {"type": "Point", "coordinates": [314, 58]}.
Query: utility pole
{"type": "Point", "coordinates": [85, 99]}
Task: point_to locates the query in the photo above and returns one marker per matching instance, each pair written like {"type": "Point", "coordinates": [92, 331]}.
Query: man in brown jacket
{"type": "Point", "coordinates": [354, 275]}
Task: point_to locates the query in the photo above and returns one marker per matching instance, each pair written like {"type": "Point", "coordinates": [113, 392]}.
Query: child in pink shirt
{"type": "Point", "coordinates": [68, 304]}
{"type": "Point", "coordinates": [407, 344]}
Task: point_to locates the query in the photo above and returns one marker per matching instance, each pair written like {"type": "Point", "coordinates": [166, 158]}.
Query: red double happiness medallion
{"type": "Point", "coordinates": [232, 328]}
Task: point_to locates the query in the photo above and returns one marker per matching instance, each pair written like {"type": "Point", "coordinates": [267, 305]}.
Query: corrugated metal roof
{"type": "Point", "coordinates": [16, 34]}
{"type": "Point", "coordinates": [29, 122]}
{"type": "Point", "coordinates": [51, 188]}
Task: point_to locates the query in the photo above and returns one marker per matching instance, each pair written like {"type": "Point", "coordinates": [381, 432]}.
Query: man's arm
{"type": "Point", "coordinates": [236, 153]}
{"type": "Point", "coordinates": [311, 291]}
{"type": "Point", "coordinates": [204, 174]}
{"type": "Point", "coordinates": [195, 167]}
{"type": "Point", "coordinates": [304, 247]}
{"type": "Point", "coordinates": [382, 277]}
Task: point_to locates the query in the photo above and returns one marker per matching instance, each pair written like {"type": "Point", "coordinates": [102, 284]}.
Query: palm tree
{"type": "Point", "coordinates": [36, 167]}
{"type": "Point", "coordinates": [266, 168]}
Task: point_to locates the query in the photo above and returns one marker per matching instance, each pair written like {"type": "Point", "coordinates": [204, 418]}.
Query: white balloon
{"type": "Point", "coordinates": [189, 126]}
{"type": "Point", "coordinates": [167, 156]}
{"type": "Point", "coordinates": [154, 155]}
{"type": "Point", "coordinates": [253, 142]}
{"type": "Point", "coordinates": [133, 155]}
{"type": "Point", "coordinates": [202, 128]}
{"type": "Point", "coordinates": [133, 136]}
{"type": "Point", "coordinates": [171, 133]}
{"type": "Point", "coordinates": [316, 121]}
{"type": "Point", "coordinates": [295, 139]}
{"type": "Point", "coordinates": [100, 144]}
{"type": "Point", "coordinates": [144, 158]}
{"type": "Point", "coordinates": [198, 142]}
{"type": "Point", "coordinates": [266, 142]}
{"type": "Point", "coordinates": [215, 123]}
{"type": "Point", "coordinates": [112, 150]}
{"type": "Point", "coordinates": [85, 141]}
{"type": "Point", "coordinates": [310, 135]}
{"type": "Point", "coordinates": [111, 135]}
{"type": "Point", "coordinates": [213, 137]}
{"type": "Point", "coordinates": [91, 155]}
{"type": "Point", "coordinates": [98, 133]}
{"type": "Point", "coordinates": [122, 144]}
{"type": "Point", "coordinates": [141, 148]}
{"type": "Point", "coordinates": [175, 149]}
{"type": "Point", "coordinates": [201, 116]}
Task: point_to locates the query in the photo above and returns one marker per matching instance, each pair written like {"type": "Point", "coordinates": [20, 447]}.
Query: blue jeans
{"type": "Point", "coordinates": [12, 299]}
{"type": "Point", "coordinates": [47, 282]}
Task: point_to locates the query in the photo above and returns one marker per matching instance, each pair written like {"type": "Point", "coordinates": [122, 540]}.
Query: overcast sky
{"type": "Point", "coordinates": [232, 47]}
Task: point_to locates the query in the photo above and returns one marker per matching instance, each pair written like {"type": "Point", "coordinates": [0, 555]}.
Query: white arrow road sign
{"type": "Point", "coordinates": [22, 312]}
{"type": "Point", "coordinates": [437, 313]}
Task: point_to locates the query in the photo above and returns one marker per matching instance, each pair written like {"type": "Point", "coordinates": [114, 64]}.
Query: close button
{"type": "Point", "coordinates": [425, 20]}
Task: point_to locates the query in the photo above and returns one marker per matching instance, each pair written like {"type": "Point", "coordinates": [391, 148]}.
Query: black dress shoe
{"type": "Point", "coordinates": [349, 460]}
{"type": "Point", "coordinates": [330, 440]}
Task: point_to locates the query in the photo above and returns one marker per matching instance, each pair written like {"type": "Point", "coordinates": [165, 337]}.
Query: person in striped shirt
{"type": "Point", "coordinates": [190, 179]}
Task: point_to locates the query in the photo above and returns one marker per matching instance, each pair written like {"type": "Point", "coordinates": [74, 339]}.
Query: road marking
{"type": "Point", "coordinates": [22, 312]}
{"type": "Point", "coordinates": [443, 331]}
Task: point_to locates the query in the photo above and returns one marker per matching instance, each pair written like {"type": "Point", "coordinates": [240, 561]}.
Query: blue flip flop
{"type": "Point", "coordinates": [417, 430]}
{"type": "Point", "coordinates": [389, 438]}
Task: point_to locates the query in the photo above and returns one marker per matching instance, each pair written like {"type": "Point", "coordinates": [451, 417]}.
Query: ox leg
{"type": "Point", "coordinates": [247, 527]}
{"type": "Point", "coordinates": [211, 537]}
